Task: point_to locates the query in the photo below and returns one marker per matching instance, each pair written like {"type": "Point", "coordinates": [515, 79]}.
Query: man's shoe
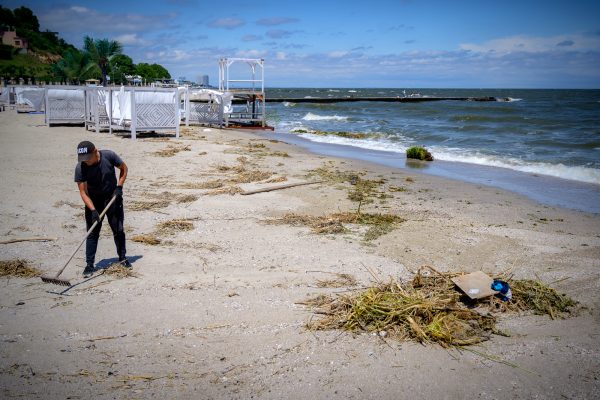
{"type": "Point", "coordinates": [88, 271]}
{"type": "Point", "coordinates": [125, 262]}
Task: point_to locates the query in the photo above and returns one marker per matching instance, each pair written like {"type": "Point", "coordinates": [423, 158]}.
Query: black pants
{"type": "Point", "coordinates": [115, 217]}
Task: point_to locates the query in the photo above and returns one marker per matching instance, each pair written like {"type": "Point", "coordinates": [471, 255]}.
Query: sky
{"type": "Point", "coordinates": [351, 44]}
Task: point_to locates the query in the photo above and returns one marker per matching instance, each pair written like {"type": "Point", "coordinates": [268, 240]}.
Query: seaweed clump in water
{"type": "Point", "coordinates": [419, 153]}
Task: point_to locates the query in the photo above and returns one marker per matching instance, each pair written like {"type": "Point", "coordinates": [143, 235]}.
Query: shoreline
{"type": "Point", "coordinates": [215, 312]}
{"type": "Point", "coordinates": [545, 189]}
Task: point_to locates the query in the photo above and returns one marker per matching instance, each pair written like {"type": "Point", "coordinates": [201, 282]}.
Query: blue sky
{"type": "Point", "coordinates": [377, 43]}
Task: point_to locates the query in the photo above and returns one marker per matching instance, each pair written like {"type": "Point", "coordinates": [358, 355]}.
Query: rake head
{"type": "Point", "coordinates": [56, 281]}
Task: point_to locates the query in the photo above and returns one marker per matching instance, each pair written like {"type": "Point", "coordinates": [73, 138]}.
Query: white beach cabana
{"type": "Point", "coordinates": [132, 109]}
{"type": "Point", "coordinates": [25, 98]}
{"type": "Point", "coordinates": [207, 107]}
{"type": "Point", "coordinates": [65, 105]}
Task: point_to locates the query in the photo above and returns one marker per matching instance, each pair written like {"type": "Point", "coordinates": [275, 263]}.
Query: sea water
{"type": "Point", "coordinates": [528, 133]}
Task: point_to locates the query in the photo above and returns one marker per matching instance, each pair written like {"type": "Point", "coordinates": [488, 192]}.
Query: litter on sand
{"type": "Point", "coordinates": [429, 309]}
{"type": "Point", "coordinates": [476, 285]}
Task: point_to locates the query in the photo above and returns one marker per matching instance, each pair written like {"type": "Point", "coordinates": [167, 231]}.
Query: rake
{"type": "Point", "coordinates": [63, 282]}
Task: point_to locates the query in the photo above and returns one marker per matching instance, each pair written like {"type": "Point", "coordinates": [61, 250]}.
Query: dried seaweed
{"type": "Point", "coordinates": [186, 198]}
{"type": "Point", "coordinates": [231, 190]}
{"type": "Point", "coordinates": [174, 226]}
{"type": "Point", "coordinates": [213, 184]}
{"type": "Point", "coordinates": [171, 150]}
{"type": "Point", "coordinates": [341, 280]}
{"type": "Point", "coordinates": [146, 239]}
{"type": "Point", "coordinates": [379, 224]}
{"type": "Point", "coordinates": [117, 270]}
{"type": "Point", "coordinates": [430, 309]}
{"type": "Point", "coordinates": [406, 313]}
{"type": "Point", "coordinates": [329, 174]}
{"type": "Point", "coordinates": [147, 205]}
{"type": "Point", "coordinates": [540, 298]}
{"type": "Point", "coordinates": [247, 176]}
{"type": "Point", "coordinates": [19, 268]}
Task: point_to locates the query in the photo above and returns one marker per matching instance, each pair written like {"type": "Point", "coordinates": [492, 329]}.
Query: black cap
{"type": "Point", "coordinates": [85, 150]}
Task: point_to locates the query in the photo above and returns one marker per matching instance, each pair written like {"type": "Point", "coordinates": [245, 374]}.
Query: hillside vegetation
{"type": "Point", "coordinates": [50, 58]}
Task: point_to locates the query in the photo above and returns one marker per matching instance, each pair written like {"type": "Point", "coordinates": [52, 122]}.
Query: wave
{"type": "Point", "coordinates": [507, 99]}
{"type": "Point", "coordinates": [288, 104]}
{"type": "Point", "coordinates": [314, 117]}
{"type": "Point", "coordinates": [576, 173]}
{"type": "Point", "coordinates": [483, 118]}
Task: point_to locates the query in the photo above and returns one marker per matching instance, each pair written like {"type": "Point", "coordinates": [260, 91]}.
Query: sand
{"type": "Point", "coordinates": [212, 312]}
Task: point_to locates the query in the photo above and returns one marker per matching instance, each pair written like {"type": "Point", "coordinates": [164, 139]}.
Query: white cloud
{"type": "Point", "coordinates": [80, 9]}
{"type": "Point", "coordinates": [279, 33]}
{"type": "Point", "coordinates": [276, 21]}
{"type": "Point", "coordinates": [536, 44]}
{"type": "Point", "coordinates": [337, 54]}
{"type": "Point", "coordinates": [226, 23]}
{"type": "Point", "coordinates": [75, 22]}
{"type": "Point", "coordinates": [251, 53]}
{"type": "Point", "coordinates": [131, 39]}
{"type": "Point", "coordinates": [251, 38]}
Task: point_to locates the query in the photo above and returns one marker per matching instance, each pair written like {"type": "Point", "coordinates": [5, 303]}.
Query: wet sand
{"type": "Point", "coordinates": [545, 189]}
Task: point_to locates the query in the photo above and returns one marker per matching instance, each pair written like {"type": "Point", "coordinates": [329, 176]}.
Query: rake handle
{"type": "Point", "coordinates": [110, 203]}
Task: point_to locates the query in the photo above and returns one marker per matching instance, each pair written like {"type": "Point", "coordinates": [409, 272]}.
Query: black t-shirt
{"type": "Point", "coordinates": [101, 178]}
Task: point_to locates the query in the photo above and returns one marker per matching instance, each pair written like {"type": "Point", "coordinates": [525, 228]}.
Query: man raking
{"type": "Point", "coordinates": [97, 181]}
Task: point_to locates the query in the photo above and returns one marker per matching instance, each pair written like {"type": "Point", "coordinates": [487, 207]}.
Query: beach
{"type": "Point", "coordinates": [213, 311]}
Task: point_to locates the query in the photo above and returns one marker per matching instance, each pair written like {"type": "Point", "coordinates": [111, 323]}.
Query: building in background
{"type": "Point", "coordinates": [10, 38]}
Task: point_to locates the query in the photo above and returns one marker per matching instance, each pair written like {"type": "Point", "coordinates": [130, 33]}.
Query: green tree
{"type": "Point", "coordinates": [152, 72]}
{"type": "Point", "coordinates": [101, 52]}
{"type": "Point", "coordinates": [121, 65]}
{"type": "Point", "coordinates": [26, 19]}
{"type": "Point", "coordinates": [7, 18]}
{"type": "Point", "coordinates": [75, 67]}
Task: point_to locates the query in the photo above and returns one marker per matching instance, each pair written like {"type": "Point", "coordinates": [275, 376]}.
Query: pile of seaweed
{"type": "Point", "coordinates": [117, 270]}
{"type": "Point", "coordinates": [19, 268]}
{"type": "Point", "coordinates": [378, 224]}
{"type": "Point", "coordinates": [430, 309]}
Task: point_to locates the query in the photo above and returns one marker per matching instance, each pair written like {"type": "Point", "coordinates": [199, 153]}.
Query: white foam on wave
{"type": "Point", "coordinates": [288, 104]}
{"type": "Point", "coordinates": [576, 173]}
{"type": "Point", "coordinates": [380, 144]}
{"type": "Point", "coordinates": [508, 99]}
{"type": "Point", "coordinates": [314, 117]}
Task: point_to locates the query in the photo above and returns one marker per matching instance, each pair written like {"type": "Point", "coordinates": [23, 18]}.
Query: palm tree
{"type": "Point", "coordinates": [101, 51]}
{"type": "Point", "coordinates": [75, 67]}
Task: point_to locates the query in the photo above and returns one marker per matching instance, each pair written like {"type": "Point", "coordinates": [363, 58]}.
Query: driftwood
{"type": "Point", "coordinates": [279, 187]}
{"type": "Point", "coordinates": [31, 239]}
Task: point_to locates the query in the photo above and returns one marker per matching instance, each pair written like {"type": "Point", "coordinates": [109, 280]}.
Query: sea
{"type": "Point", "coordinates": [544, 144]}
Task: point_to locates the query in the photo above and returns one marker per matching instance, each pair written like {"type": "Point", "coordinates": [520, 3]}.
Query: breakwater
{"type": "Point", "coordinates": [348, 99]}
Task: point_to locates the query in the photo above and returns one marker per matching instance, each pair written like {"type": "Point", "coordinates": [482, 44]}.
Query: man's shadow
{"type": "Point", "coordinates": [107, 262]}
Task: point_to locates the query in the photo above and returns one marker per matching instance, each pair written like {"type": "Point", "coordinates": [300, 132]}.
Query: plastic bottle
{"type": "Point", "coordinates": [503, 288]}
